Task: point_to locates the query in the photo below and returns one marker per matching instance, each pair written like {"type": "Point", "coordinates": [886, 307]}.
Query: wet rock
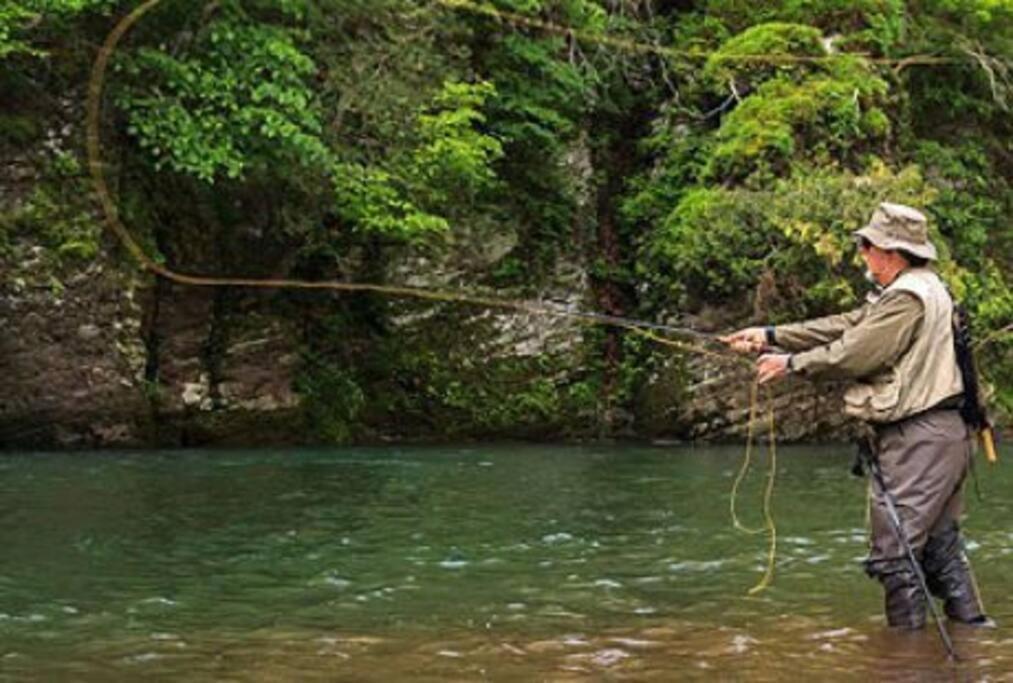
{"type": "Point", "coordinates": [70, 390]}
{"type": "Point", "coordinates": [635, 642]}
{"type": "Point", "coordinates": [545, 646]}
{"type": "Point", "coordinates": [195, 394]}
{"type": "Point", "coordinates": [708, 399]}
{"type": "Point", "coordinates": [113, 435]}
{"type": "Point", "coordinates": [604, 658]}
{"type": "Point", "coordinates": [88, 332]}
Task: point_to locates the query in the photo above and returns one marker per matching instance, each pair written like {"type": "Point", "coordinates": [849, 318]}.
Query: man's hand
{"type": "Point", "coordinates": [771, 367]}
{"type": "Point", "coordinates": [749, 340]}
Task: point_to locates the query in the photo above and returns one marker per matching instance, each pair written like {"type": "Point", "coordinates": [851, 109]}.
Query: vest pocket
{"type": "Point", "coordinates": [874, 400]}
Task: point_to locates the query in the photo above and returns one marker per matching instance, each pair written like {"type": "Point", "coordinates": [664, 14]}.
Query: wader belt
{"type": "Point", "coordinates": [951, 403]}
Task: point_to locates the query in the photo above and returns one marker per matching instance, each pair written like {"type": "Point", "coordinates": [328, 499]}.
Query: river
{"type": "Point", "coordinates": [482, 562]}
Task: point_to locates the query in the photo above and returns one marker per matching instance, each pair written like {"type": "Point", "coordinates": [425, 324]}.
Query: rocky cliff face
{"type": "Point", "coordinates": [72, 359]}
{"type": "Point", "coordinates": [100, 356]}
{"type": "Point", "coordinates": [107, 362]}
{"type": "Point", "coordinates": [95, 353]}
{"type": "Point", "coordinates": [223, 377]}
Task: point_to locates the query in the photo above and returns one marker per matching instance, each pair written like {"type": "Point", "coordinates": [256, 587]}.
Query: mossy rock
{"type": "Point", "coordinates": [18, 130]}
{"type": "Point", "coordinates": [833, 113]}
{"type": "Point", "coordinates": [761, 51]}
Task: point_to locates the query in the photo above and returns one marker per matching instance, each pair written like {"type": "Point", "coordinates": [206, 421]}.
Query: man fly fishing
{"type": "Point", "coordinates": [907, 385]}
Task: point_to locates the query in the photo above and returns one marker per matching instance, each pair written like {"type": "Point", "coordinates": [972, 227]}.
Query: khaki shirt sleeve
{"type": "Point", "coordinates": [873, 344]}
{"type": "Point", "coordinates": [806, 335]}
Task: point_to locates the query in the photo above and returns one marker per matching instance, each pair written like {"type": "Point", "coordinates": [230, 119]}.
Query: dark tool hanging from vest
{"type": "Point", "coordinates": [868, 456]}
{"type": "Point", "coordinates": [972, 410]}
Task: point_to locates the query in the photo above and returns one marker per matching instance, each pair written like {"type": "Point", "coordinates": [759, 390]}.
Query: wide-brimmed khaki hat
{"type": "Point", "coordinates": [895, 226]}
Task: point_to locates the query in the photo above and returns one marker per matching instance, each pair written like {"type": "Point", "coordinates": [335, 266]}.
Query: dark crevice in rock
{"type": "Point", "coordinates": [613, 160]}
{"type": "Point", "coordinates": [152, 335]}
{"type": "Point", "coordinates": [215, 346]}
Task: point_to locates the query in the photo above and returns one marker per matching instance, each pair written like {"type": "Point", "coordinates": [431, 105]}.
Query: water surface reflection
{"type": "Point", "coordinates": [508, 563]}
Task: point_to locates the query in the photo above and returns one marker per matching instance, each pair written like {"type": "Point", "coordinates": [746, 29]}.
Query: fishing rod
{"type": "Point", "coordinates": [629, 323]}
{"type": "Point", "coordinates": [870, 460]}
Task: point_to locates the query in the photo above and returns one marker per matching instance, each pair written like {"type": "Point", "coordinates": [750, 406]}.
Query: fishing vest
{"type": "Point", "coordinates": [927, 373]}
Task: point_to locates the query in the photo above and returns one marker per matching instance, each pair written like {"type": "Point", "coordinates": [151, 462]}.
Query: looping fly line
{"type": "Point", "coordinates": [115, 224]}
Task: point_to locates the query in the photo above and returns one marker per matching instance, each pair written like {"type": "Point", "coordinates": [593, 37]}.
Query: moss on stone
{"type": "Point", "coordinates": [18, 130]}
{"type": "Point", "coordinates": [747, 57]}
{"type": "Point", "coordinates": [830, 114]}
{"type": "Point", "coordinates": [55, 221]}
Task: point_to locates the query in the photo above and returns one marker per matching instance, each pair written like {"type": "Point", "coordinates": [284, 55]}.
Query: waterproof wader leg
{"type": "Point", "coordinates": [949, 576]}
{"type": "Point", "coordinates": [904, 599]}
{"type": "Point", "coordinates": [923, 462]}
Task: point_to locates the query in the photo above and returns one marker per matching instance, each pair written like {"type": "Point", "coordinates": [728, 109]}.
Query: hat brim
{"type": "Point", "coordinates": [874, 234]}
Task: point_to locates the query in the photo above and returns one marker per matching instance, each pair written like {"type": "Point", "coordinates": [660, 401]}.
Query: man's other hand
{"type": "Point", "coordinates": [771, 367]}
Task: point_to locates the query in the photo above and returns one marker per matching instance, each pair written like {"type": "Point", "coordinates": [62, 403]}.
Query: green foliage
{"type": "Point", "coordinates": [855, 24]}
{"type": "Point", "coordinates": [509, 270]}
{"type": "Point", "coordinates": [55, 221]}
{"type": "Point", "coordinates": [535, 403]}
{"type": "Point", "coordinates": [974, 16]}
{"type": "Point", "coordinates": [14, 16]}
{"type": "Point", "coordinates": [55, 215]}
{"type": "Point", "coordinates": [794, 236]}
{"type": "Point", "coordinates": [682, 156]}
{"type": "Point", "coordinates": [978, 36]}
{"type": "Point", "coordinates": [18, 130]}
{"type": "Point", "coordinates": [435, 378]}
{"type": "Point", "coordinates": [861, 25]}
{"type": "Point", "coordinates": [974, 198]}
{"type": "Point", "coordinates": [746, 58]}
{"type": "Point", "coordinates": [241, 100]}
{"type": "Point", "coordinates": [533, 116]}
{"type": "Point", "coordinates": [22, 20]}
{"type": "Point", "coordinates": [712, 241]}
{"type": "Point", "coordinates": [542, 96]}
{"type": "Point", "coordinates": [371, 200]}
{"type": "Point", "coordinates": [739, 15]}
{"type": "Point", "coordinates": [332, 398]}
{"type": "Point", "coordinates": [462, 393]}
{"type": "Point", "coordinates": [589, 16]}
{"type": "Point", "coordinates": [823, 116]}
{"type": "Point", "coordinates": [454, 161]}
{"type": "Point", "coordinates": [972, 211]}
{"type": "Point", "coordinates": [801, 145]}
{"type": "Point", "coordinates": [450, 165]}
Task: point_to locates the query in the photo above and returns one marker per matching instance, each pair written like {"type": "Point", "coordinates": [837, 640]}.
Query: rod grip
{"type": "Point", "coordinates": [987, 439]}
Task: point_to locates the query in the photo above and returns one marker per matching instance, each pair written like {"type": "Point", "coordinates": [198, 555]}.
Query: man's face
{"type": "Point", "coordinates": [878, 264]}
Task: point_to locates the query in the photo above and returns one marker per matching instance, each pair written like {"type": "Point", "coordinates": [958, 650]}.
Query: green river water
{"type": "Point", "coordinates": [500, 562]}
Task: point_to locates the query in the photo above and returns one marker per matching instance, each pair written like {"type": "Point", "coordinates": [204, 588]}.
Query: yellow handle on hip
{"type": "Point", "coordinates": [987, 439]}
